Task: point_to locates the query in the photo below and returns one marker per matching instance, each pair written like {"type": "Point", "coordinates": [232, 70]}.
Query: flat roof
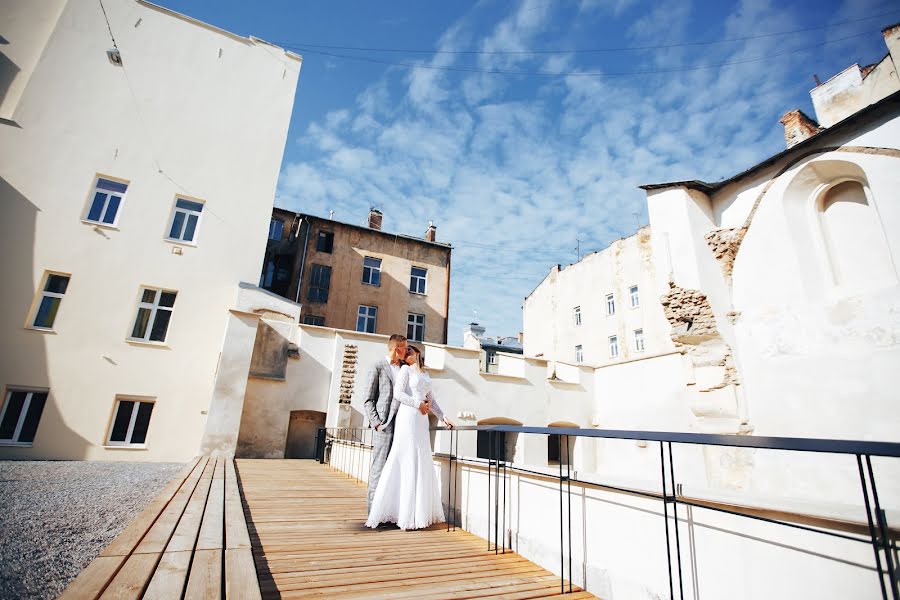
{"type": "Point", "coordinates": [873, 111]}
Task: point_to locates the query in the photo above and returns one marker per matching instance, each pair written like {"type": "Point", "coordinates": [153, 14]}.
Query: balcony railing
{"type": "Point", "coordinates": [347, 449]}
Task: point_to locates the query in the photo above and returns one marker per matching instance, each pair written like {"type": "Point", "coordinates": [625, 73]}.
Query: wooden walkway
{"type": "Point", "coordinates": [191, 542]}
{"type": "Point", "coordinates": [306, 528]}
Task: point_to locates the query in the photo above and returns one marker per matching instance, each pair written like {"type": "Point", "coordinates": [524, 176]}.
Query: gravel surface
{"type": "Point", "coordinates": [55, 517]}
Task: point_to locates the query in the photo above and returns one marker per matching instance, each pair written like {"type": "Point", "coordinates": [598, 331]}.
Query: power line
{"type": "Point", "coordinates": [584, 50]}
{"type": "Point", "coordinates": [107, 25]}
{"type": "Point", "coordinates": [578, 73]}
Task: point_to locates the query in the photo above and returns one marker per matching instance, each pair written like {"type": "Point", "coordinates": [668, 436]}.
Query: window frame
{"type": "Point", "coordinates": [280, 229]}
{"type": "Point", "coordinates": [576, 316]}
{"type": "Point", "coordinates": [367, 316]}
{"type": "Point", "coordinates": [310, 287]}
{"type": "Point", "coordinates": [639, 345]}
{"type": "Point", "coordinates": [423, 279]}
{"type": "Point", "coordinates": [154, 310]}
{"type": "Point", "coordinates": [579, 354]}
{"type": "Point", "coordinates": [39, 299]}
{"type": "Point", "coordinates": [410, 323]}
{"type": "Point", "coordinates": [371, 270]}
{"type": "Point", "coordinates": [610, 305]}
{"type": "Point", "coordinates": [89, 204]}
{"type": "Point", "coordinates": [330, 236]}
{"type": "Point", "coordinates": [613, 342]}
{"type": "Point", "coordinates": [17, 432]}
{"type": "Point", "coordinates": [322, 324]}
{"type": "Point", "coordinates": [634, 294]}
{"type": "Point", "coordinates": [175, 210]}
{"type": "Point", "coordinates": [138, 400]}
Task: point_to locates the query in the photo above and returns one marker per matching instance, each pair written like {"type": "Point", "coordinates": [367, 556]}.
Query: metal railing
{"type": "Point", "coordinates": [875, 531]}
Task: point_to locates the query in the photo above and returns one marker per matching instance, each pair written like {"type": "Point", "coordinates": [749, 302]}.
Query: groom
{"type": "Point", "coordinates": [380, 407]}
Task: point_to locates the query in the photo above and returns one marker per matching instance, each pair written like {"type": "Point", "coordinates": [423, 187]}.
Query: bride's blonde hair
{"type": "Point", "coordinates": [420, 358]}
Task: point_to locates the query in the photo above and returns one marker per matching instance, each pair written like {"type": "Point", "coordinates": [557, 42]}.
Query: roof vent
{"type": "Point", "coordinates": [114, 56]}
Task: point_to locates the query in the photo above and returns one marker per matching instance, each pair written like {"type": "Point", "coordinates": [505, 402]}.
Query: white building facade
{"type": "Point", "coordinates": [137, 188]}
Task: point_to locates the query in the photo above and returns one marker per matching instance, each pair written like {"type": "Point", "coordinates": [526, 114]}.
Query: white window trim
{"type": "Point", "coordinates": [134, 411]}
{"type": "Point", "coordinates": [425, 279]}
{"type": "Point", "coordinates": [643, 341]}
{"type": "Point", "coordinates": [90, 202]}
{"type": "Point", "coordinates": [631, 296]}
{"type": "Point", "coordinates": [378, 268]}
{"type": "Point", "coordinates": [608, 298]}
{"type": "Point", "coordinates": [188, 212]}
{"type": "Point", "coordinates": [18, 431]}
{"type": "Point", "coordinates": [579, 353]}
{"type": "Point", "coordinates": [409, 322]}
{"type": "Point", "coordinates": [154, 308]}
{"type": "Point", "coordinates": [367, 317]}
{"type": "Point", "coordinates": [576, 316]}
{"type": "Point", "coordinates": [610, 345]}
{"type": "Point", "coordinates": [39, 297]}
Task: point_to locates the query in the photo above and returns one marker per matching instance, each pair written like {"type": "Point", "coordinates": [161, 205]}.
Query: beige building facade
{"type": "Point", "coordinates": [360, 278]}
{"type": "Point", "coordinates": [125, 224]}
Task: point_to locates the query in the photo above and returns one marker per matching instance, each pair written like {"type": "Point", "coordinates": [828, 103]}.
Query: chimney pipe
{"type": "Point", "coordinates": [375, 218]}
{"type": "Point", "coordinates": [798, 127]}
{"type": "Point", "coordinates": [431, 233]}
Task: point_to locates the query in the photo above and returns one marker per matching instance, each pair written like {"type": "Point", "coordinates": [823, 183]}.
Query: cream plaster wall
{"type": "Point", "coordinates": [195, 111]}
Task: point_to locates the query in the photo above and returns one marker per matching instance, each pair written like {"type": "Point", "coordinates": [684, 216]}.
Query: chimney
{"type": "Point", "coordinates": [798, 127]}
{"type": "Point", "coordinates": [474, 329]}
{"type": "Point", "coordinates": [521, 337]}
{"type": "Point", "coordinates": [431, 233]}
{"type": "Point", "coordinates": [375, 219]}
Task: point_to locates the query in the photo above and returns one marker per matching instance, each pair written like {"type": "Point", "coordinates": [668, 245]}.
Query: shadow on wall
{"type": "Point", "coordinates": [8, 70]}
{"type": "Point", "coordinates": [27, 366]}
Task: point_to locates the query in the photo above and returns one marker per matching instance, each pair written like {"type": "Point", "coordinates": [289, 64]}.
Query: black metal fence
{"type": "Point", "coordinates": [492, 453]}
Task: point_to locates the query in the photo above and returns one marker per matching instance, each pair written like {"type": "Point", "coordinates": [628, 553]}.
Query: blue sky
{"type": "Point", "coordinates": [514, 168]}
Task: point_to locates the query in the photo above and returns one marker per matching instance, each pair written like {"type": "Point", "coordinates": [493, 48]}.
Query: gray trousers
{"type": "Point", "coordinates": [381, 448]}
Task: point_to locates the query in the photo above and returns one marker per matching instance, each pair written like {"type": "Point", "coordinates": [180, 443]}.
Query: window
{"type": "Point", "coordinates": [325, 242]}
{"type": "Point", "coordinates": [276, 227]}
{"type": "Point", "coordinates": [639, 340]}
{"type": "Point", "coordinates": [610, 304]}
{"type": "Point", "coordinates": [104, 208]}
{"type": "Point", "coordinates": [579, 354]}
{"type": "Point", "coordinates": [129, 427]}
{"type": "Point", "coordinates": [268, 274]}
{"type": "Point", "coordinates": [365, 319]}
{"type": "Point", "coordinates": [635, 297]}
{"type": "Point", "coordinates": [577, 316]}
{"type": "Point", "coordinates": [154, 313]}
{"type": "Point", "coordinates": [314, 320]}
{"type": "Point", "coordinates": [415, 327]}
{"type": "Point", "coordinates": [371, 271]}
{"type": "Point", "coordinates": [417, 280]}
{"type": "Point", "coordinates": [613, 346]}
{"type": "Point", "coordinates": [495, 445]}
{"type": "Point", "coordinates": [20, 416]}
{"type": "Point", "coordinates": [319, 283]}
{"type": "Point", "coordinates": [185, 219]}
{"type": "Point", "coordinates": [51, 296]}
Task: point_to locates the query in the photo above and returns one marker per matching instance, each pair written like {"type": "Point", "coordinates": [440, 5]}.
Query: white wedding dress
{"type": "Point", "coordinates": [408, 492]}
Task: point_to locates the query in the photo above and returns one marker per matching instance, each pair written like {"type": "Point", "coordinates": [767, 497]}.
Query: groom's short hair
{"type": "Point", "coordinates": [395, 340]}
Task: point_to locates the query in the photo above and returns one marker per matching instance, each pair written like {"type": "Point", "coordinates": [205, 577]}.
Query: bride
{"type": "Point", "coordinates": [407, 492]}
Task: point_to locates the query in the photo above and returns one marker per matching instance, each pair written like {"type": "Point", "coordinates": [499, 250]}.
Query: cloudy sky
{"type": "Point", "coordinates": [480, 117]}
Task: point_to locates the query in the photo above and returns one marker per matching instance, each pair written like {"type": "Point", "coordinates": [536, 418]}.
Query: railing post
{"type": "Point", "coordinates": [665, 499]}
{"type": "Point", "coordinates": [562, 569]}
{"type": "Point", "coordinates": [675, 515]}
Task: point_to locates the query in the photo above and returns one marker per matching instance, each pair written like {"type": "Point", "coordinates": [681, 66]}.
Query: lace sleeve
{"type": "Point", "coordinates": [400, 385]}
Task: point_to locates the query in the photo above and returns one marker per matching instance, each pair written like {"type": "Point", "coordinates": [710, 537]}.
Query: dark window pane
{"type": "Point", "coordinates": [140, 324]}
{"type": "Point", "coordinates": [141, 423]}
{"type": "Point", "coordinates": [191, 228]}
{"type": "Point", "coordinates": [57, 284]}
{"type": "Point", "coordinates": [276, 227]}
{"type": "Point", "coordinates": [46, 313]}
{"type": "Point", "coordinates": [314, 320]}
{"type": "Point", "coordinates": [160, 325]}
{"type": "Point", "coordinates": [376, 277]}
{"type": "Point", "coordinates": [112, 209]}
{"type": "Point", "coordinates": [325, 242]}
{"type": "Point", "coordinates": [97, 207]}
{"type": "Point", "coordinates": [187, 204]}
{"type": "Point", "coordinates": [112, 186]}
{"type": "Point", "coordinates": [29, 427]}
{"type": "Point", "coordinates": [175, 232]}
{"type": "Point", "coordinates": [167, 299]}
{"type": "Point", "coordinates": [12, 414]}
{"type": "Point", "coordinates": [123, 418]}
{"type": "Point", "coordinates": [149, 296]}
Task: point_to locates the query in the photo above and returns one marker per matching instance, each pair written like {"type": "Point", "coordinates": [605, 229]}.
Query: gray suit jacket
{"type": "Point", "coordinates": [378, 401]}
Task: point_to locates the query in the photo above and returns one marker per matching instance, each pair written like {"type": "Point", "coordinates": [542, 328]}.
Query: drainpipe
{"type": "Point", "coordinates": [302, 261]}
{"type": "Point", "coordinates": [447, 317]}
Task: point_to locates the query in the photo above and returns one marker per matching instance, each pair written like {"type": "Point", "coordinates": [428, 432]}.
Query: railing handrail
{"type": "Point", "coordinates": [890, 449]}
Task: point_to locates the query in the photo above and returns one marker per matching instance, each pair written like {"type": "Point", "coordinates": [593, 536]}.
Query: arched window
{"type": "Point", "coordinates": [497, 445]}
{"type": "Point", "coordinates": [858, 254]}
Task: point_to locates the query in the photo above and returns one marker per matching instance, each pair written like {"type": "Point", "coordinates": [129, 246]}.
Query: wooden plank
{"type": "Point", "coordinates": [240, 575]}
{"type": "Point", "coordinates": [231, 484]}
{"type": "Point", "coordinates": [185, 536]}
{"type": "Point", "coordinates": [130, 537]}
{"type": "Point", "coordinates": [132, 578]}
{"type": "Point", "coordinates": [91, 582]}
{"type": "Point", "coordinates": [159, 534]}
{"type": "Point", "coordinates": [236, 535]}
{"type": "Point", "coordinates": [170, 576]}
{"type": "Point", "coordinates": [205, 579]}
{"type": "Point", "coordinates": [212, 528]}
